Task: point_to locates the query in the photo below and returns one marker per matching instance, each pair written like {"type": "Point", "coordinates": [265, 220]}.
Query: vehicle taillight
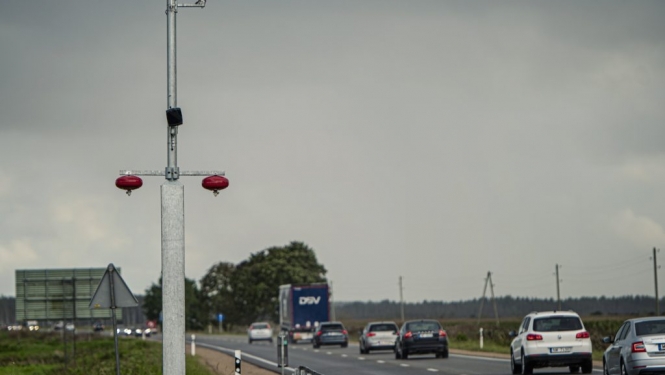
{"type": "Point", "coordinates": [408, 335]}
{"type": "Point", "coordinates": [582, 335]}
{"type": "Point", "coordinates": [638, 347]}
{"type": "Point", "coordinates": [268, 326]}
{"type": "Point", "coordinates": [319, 333]}
{"type": "Point", "coordinates": [371, 334]}
{"type": "Point", "coordinates": [251, 328]}
{"type": "Point", "coordinates": [533, 337]}
{"type": "Point", "coordinates": [345, 332]}
{"type": "Point", "coordinates": [442, 333]}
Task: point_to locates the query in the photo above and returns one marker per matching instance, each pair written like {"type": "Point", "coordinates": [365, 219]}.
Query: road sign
{"type": "Point", "coordinates": [220, 317]}
{"type": "Point", "coordinates": [112, 292]}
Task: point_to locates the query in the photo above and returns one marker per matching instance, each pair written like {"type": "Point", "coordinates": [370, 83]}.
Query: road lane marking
{"type": "Point", "coordinates": [344, 355]}
{"type": "Point", "coordinates": [361, 358]}
{"type": "Point", "coordinates": [432, 370]}
{"type": "Point", "coordinates": [404, 365]}
{"type": "Point", "coordinates": [329, 353]}
{"type": "Point", "coordinates": [380, 361]}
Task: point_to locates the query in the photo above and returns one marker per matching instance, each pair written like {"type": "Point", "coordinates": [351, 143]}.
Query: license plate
{"type": "Point", "coordinates": [661, 347]}
{"type": "Point", "coordinates": [426, 335]}
{"type": "Point", "coordinates": [334, 334]}
{"type": "Point", "coordinates": [561, 350]}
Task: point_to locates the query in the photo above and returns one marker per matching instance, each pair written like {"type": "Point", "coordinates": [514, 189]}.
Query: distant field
{"type": "Point", "coordinates": [45, 353]}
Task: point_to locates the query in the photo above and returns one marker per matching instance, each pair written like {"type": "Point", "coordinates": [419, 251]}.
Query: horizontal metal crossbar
{"type": "Point", "coordinates": [162, 173]}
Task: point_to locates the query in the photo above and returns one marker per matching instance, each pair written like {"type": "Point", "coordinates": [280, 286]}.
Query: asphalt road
{"type": "Point", "coordinates": [334, 360]}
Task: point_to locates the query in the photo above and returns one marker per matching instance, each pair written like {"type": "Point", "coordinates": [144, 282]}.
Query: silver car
{"type": "Point", "coordinates": [637, 348]}
{"type": "Point", "coordinates": [377, 336]}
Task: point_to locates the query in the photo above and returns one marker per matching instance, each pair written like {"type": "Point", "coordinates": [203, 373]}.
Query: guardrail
{"type": "Point", "coordinates": [302, 370]}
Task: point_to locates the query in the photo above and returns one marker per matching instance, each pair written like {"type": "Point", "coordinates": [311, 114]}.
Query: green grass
{"type": "Point", "coordinates": [30, 353]}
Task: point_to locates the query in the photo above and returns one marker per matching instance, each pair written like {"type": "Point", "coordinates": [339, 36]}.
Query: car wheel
{"type": "Point", "coordinates": [623, 369]}
{"type": "Point", "coordinates": [405, 354]}
{"type": "Point", "coordinates": [444, 354]}
{"type": "Point", "coordinates": [250, 341]}
{"type": "Point", "coordinates": [397, 354]}
{"type": "Point", "coordinates": [514, 367]}
{"type": "Point", "coordinates": [587, 367]}
{"type": "Point", "coordinates": [344, 345]}
{"type": "Point", "coordinates": [527, 368]}
{"type": "Point", "coordinates": [315, 345]}
{"type": "Point", "coordinates": [574, 369]}
{"type": "Point", "coordinates": [605, 370]}
{"type": "Point", "coordinates": [270, 341]}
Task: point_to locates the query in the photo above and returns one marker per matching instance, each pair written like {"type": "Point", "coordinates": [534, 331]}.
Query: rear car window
{"type": "Point", "coordinates": [653, 327]}
{"type": "Point", "coordinates": [382, 328]}
{"type": "Point", "coordinates": [423, 326]}
{"type": "Point", "coordinates": [557, 323]}
{"type": "Point", "coordinates": [260, 326]}
{"type": "Point", "coordinates": [332, 327]}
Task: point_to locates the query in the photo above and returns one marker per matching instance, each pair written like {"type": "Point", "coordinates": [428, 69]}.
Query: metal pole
{"type": "Point", "coordinates": [115, 324]}
{"type": "Point", "coordinates": [401, 299]}
{"type": "Point", "coordinates": [332, 301]}
{"type": "Point", "coordinates": [655, 279]}
{"type": "Point", "coordinates": [173, 225]}
{"type": "Point", "coordinates": [173, 277]}
{"type": "Point", "coordinates": [558, 295]}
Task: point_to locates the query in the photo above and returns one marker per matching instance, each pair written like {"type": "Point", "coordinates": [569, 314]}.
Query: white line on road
{"type": "Point", "coordinates": [404, 365]}
{"type": "Point", "coordinates": [361, 358]}
{"type": "Point", "coordinates": [329, 353]}
{"type": "Point", "coordinates": [344, 355]}
{"type": "Point", "coordinates": [380, 361]}
{"type": "Point", "coordinates": [432, 370]}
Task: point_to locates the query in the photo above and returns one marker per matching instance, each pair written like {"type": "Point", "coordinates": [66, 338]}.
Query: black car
{"type": "Point", "coordinates": [330, 333]}
{"type": "Point", "coordinates": [421, 337]}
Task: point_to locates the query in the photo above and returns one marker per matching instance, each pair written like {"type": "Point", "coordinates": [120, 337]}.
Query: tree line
{"type": "Point", "coordinates": [248, 292]}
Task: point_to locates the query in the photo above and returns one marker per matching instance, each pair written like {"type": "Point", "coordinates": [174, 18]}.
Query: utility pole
{"type": "Point", "coordinates": [655, 279]}
{"type": "Point", "coordinates": [482, 300]}
{"type": "Point", "coordinates": [496, 311]}
{"type": "Point", "coordinates": [401, 298]}
{"type": "Point", "coordinates": [173, 210]}
{"type": "Point", "coordinates": [558, 294]}
{"type": "Point", "coordinates": [488, 281]}
{"type": "Point", "coordinates": [332, 301]}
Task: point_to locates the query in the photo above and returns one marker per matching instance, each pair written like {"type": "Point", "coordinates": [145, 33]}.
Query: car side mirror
{"type": "Point", "coordinates": [608, 340]}
{"type": "Point", "coordinates": [512, 334]}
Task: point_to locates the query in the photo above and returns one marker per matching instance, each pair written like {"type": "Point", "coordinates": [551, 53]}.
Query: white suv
{"type": "Point", "coordinates": [551, 339]}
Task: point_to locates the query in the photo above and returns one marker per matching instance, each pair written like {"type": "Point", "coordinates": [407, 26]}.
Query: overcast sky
{"type": "Point", "coordinates": [434, 140]}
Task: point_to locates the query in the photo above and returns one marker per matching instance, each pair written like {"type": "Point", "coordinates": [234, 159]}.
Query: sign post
{"type": "Point", "coordinates": [220, 319]}
{"type": "Point", "coordinates": [111, 293]}
{"type": "Point", "coordinates": [283, 351]}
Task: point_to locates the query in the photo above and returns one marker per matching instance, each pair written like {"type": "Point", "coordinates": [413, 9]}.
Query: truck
{"type": "Point", "coordinates": [302, 308]}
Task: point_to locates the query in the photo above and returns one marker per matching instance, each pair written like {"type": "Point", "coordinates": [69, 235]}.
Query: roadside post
{"type": "Point", "coordinates": [193, 345]}
{"type": "Point", "coordinates": [481, 338]}
{"type": "Point", "coordinates": [220, 320]}
{"type": "Point", "coordinates": [238, 361]}
{"type": "Point", "coordinates": [111, 293]}
{"type": "Point", "coordinates": [283, 351]}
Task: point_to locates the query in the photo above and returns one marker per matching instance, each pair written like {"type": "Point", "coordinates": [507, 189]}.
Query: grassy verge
{"type": "Point", "coordinates": [30, 353]}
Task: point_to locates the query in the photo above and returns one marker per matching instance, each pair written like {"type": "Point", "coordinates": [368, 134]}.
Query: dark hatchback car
{"type": "Point", "coordinates": [421, 337]}
{"type": "Point", "coordinates": [330, 333]}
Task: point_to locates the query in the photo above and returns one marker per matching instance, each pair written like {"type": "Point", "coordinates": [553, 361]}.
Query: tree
{"type": "Point", "coordinates": [256, 281]}
{"type": "Point", "coordinates": [216, 292]}
{"type": "Point", "coordinates": [249, 291]}
{"type": "Point", "coordinates": [194, 319]}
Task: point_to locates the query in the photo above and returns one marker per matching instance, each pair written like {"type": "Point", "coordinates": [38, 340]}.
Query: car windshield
{"type": "Point", "coordinates": [423, 326]}
{"type": "Point", "coordinates": [332, 327]}
{"type": "Point", "coordinates": [383, 328]}
{"type": "Point", "coordinates": [557, 323]}
{"type": "Point", "coordinates": [260, 326]}
{"type": "Point", "coordinates": [652, 327]}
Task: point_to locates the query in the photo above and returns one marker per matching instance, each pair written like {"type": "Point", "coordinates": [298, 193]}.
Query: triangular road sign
{"type": "Point", "coordinates": [121, 296]}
